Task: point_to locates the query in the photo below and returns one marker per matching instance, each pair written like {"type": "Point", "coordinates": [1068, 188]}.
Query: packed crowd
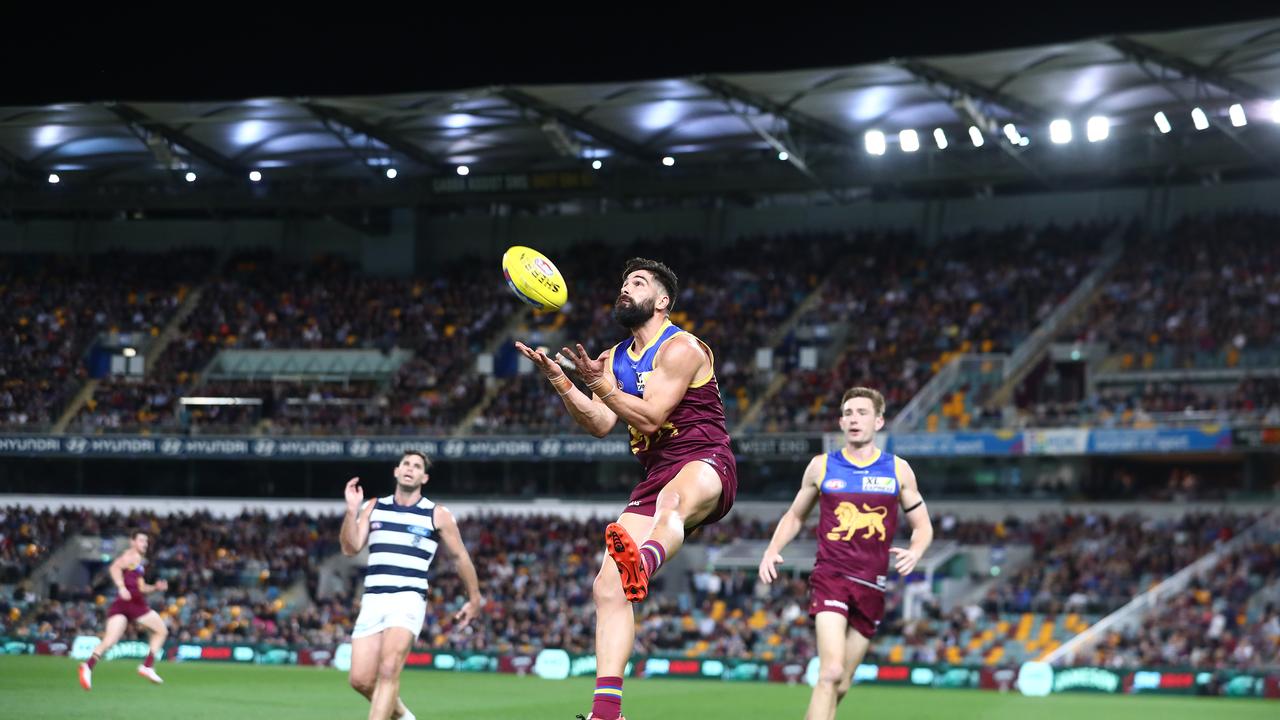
{"type": "Point", "coordinates": [1229, 618]}
{"type": "Point", "coordinates": [27, 537]}
{"type": "Point", "coordinates": [239, 580]}
{"type": "Point", "coordinates": [261, 302]}
{"type": "Point", "coordinates": [229, 578]}
{"type": "Point", "coordinates": [54, 307]}
{"type": "Point", "coordinates": [910, 309]}
{"type": "Point", "coordinates": [1204, 294]}
{"type": "Point", "coordinates": [890, 311]}
{"type": "Point", "coordinates": [1095, 563]}
{"type": "Point", "coordinates": [1162, 404]}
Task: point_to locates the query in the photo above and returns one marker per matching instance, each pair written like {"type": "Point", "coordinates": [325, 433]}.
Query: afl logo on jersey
{"type": "Point", "coordinates": [834, 485]}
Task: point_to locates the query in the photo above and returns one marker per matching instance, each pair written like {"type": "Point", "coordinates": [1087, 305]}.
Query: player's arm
{"type": "Point", "coordinates": [917, 516]}
{"type": "Point", "coordinates": [126, 558]}
{"type": "Point", "coordinates": [588, 412]}
{"type": "Point", "coordinates": [674, 369]}
{"type": "Point", "coordinates": [793, 519]}
{"type": "Point", "coordinates": [452, 539]}
{"type": "Point", "coordinates": [354, 534]}
{"type": "Point", "coordinates": [147, 587]}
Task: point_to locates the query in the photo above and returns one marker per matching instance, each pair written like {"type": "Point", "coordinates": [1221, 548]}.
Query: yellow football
{"type": "Point", "coordinates": [533, 278]}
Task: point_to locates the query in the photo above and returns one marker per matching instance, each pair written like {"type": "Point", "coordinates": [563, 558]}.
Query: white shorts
{"type": "Point", "coordinates": [378, 612]}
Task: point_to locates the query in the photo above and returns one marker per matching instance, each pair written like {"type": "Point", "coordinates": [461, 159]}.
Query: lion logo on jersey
{"type": "Point", "coordinates": [852, 520]}
{"type": "Point", "coordinates": [643, 443]}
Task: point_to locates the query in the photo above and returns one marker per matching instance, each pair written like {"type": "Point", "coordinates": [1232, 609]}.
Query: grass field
{"type": "Point", "coordinates": [34, 688]}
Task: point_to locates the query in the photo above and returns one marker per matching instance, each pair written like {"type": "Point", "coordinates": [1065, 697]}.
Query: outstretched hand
{"type": "Point", "coordinates": [590, 370]}
{"type": "Point", "coordinates": [540, 360]}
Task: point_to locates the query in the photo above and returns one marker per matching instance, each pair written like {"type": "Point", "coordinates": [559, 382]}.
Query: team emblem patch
{"type": "Point", "coordinates": [851, 520]}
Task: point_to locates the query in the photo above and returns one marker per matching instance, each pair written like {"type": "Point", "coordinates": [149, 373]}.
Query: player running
{"type": "Point", "coordinates": [129, 606]}
{"type": "Point", "coordinates": [858, 490]}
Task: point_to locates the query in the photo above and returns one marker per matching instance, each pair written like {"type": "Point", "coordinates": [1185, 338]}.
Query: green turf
{"type": "Point", "coordinates": [34, 688]}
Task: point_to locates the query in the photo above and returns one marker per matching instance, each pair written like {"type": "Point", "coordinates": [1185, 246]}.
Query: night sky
{"type": "Point", "coordinates": [189, 60]}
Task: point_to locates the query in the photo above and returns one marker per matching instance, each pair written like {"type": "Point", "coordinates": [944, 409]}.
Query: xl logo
{"type": "Point", "coordinates": [77, 445]}
{"type": "Point", "coordinates": [170, 446]}
{"type": "Point", "coordinates": [265, 447]}
{"type": "Point", "coordinates": [550, 448]}
{"type": "Point", "coordinates": [359, 448]}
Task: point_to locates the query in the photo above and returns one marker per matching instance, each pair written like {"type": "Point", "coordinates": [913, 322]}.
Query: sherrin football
{"type": "Point", "coordinates": [534, 278]}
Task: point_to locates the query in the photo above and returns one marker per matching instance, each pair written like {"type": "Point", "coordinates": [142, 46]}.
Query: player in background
{"type": "Point", "coordinates": [858, 490]}
{"type": "Point", "coordinates": [129, 606]}
{"type": "Point", "coordinates": [402, 531]}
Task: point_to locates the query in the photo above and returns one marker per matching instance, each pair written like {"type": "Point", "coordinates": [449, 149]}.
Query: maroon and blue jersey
{"type": "Point", "coordinates": [858, 516]}
{"type": "Point", "coordinates": [695, 429]}
{"type": "Point", "coordinates": [132, 577]}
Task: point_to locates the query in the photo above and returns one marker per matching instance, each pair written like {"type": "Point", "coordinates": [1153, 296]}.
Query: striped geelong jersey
{"type": "Point", "coordinates": [402, 543]}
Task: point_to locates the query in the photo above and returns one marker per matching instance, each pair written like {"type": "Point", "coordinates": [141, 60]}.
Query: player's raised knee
{"type": "Point", "coordinates": [606, 590]}
{"type": "Point", "coordinates": [667, 512]}
{"type": "Point", "coordinates": [668, 501]}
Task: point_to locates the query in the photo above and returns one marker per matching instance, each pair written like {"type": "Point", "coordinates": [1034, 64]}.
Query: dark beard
{"type": "Point", "coordinates": [633, 314]}
{"type": "Point", "coordinates": [405, 489]}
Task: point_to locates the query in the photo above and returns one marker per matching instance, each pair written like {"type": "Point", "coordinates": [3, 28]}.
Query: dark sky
{"type": "Point", "coordinates": [190, 60]}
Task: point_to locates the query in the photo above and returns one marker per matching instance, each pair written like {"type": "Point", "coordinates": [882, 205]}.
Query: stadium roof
{"type": "Point", "coordinates": [722, 133]}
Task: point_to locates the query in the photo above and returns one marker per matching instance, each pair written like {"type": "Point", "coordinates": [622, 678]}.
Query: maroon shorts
{"type": "Point", "coordinates": [862, 605]}
{"type": "Point", "coordinates": [644, 499]}
{"type": "Point", "coordinates": [131, 609]}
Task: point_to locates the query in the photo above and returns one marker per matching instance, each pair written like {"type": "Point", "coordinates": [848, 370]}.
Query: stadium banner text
{"type": "Point", "coordinates": [371, 448]}
{"type": "Point", "coordinates": [576, 448]}
{"type": "Point", "coordinates": [1062, 441]}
